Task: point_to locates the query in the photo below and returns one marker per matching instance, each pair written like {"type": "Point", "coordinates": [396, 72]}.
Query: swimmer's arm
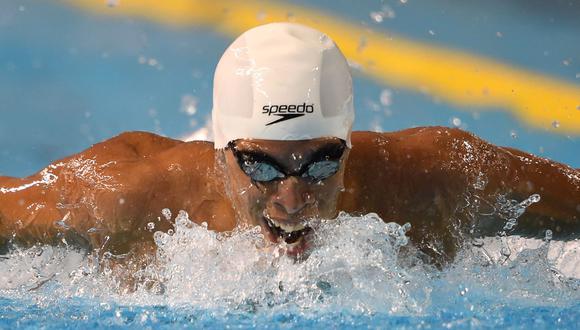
{"type": "Point", "coordinates": [28, 206]}
{"type": "Point", "coordinates": [102, 191]}
{"type": "Point", "coordinates": [518, 175]}
{"type": "Point", "coordinates": [557, 184]}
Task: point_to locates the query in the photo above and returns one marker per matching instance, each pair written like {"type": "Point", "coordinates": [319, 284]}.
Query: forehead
{"type": "Point", "coordinates": [284, 148]}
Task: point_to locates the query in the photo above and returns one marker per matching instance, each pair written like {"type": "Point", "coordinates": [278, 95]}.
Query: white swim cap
{"type": "Point", "coordinates": [282, 81]}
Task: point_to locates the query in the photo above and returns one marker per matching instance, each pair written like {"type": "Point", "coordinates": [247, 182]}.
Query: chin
{"type": "Point", "coordinates": [294, 237]}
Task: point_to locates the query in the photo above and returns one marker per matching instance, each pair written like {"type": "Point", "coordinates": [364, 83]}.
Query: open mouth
{"type": "Point", "coordinates": [289, 233]}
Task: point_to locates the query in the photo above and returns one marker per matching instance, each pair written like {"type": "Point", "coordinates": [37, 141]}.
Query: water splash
{"type": "Point", "coordinates": [354, 264]}
{"type": "Point", "coordinates": [357, 264]}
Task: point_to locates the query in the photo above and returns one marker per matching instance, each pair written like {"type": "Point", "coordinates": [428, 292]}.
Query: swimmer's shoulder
{"type": "Point", "coordinates": [415, 151]}
{"type": "Point", "coordinates": [409, 142]}
{"type": "Point", "coordinates": [136, 144]}
{"type": "Point", "coordinates": [146, 145]}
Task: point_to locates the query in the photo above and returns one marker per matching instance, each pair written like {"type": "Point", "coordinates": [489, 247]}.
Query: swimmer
{"type": "Point", "coordinates": [284, 156]}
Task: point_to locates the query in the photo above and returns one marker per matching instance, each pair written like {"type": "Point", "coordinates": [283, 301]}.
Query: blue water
{"type": "Point", "coordinates": [81, 81]}
{"type": "Point", "coordinates": [79, 314]}
{"type": "Point", "coordinates": [69, 79]}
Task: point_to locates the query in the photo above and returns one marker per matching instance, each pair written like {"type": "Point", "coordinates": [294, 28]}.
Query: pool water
{"type": "Point", "coordinates": [361, 273]}
{"type": "Point", "coordinates": [71, 77]}
{"type": "Point", "coordinates": [91, 76]}
{"type": "Point", "coordinates": [88, 315]}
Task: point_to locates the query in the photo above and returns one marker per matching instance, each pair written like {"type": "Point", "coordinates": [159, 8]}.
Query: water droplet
{"type": "Point", "coordinates": [121, 201]}
{"type": "Point", "coordinates": [386, 97]}
{"type": "Point", "coordinates": [513, 134]}
{"type": "Point", "coordinates": [403, 1]}
{"type": "Point", "coordinates": [160, 238]}
{"type": "Point", "coordinates": [510, 224]}
{"type": "Point", "coordinates": [61, 224]}
{"type": "Point", "coordinates": [93, 230]}
{"type": "Point", "coordinates": [377, 16]}
{"type": "Point", "coordinates": [499, 34]}
{"type": "Point", "coordinates": [480, 182]}
{"type": "Point", "coordinates": [505, 251]}
{"type": "Point", "coordinates": [150, 226]}
{"type": "Point", "coordinates": [166, 213]}
{"type": "Point", "coordinates": [534, 198]}
{"type": "Point", "coordinates": [456, 121]}
{"type": "Point", "coordinates": [567, 62]}
{"type": "Point", "coordinates": [152, 62]}
{"type": "Point", "coordinates": [189, 104]}
{"type": "Point", "coordinates": [431, 32]}
{"type": "Point", "coordinates": [555, 124]}
{"type": "Point", "coordinates": [548, 236]}
{"type": "Point", "coordinates": [477, 241]}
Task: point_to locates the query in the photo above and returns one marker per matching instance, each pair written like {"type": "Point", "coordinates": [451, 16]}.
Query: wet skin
{"type": "Point", "coordinates": [443, 181]}
{"type": "Point", "coordinates": [291, 200]}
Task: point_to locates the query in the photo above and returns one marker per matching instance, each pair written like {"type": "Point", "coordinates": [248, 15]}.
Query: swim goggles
{"type": "Point", "coordinates": [261, 167]}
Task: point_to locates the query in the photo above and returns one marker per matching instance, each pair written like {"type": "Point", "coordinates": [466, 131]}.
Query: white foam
{"type": "Point", "coordinates": [563, 256]}
{"type": "Point", "coordinates": [359, 264]}
{"type": "Point", "coordinates": [353, 264]}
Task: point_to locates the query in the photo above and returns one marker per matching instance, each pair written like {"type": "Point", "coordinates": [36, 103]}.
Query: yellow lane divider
{"type": "Point", "coordinates": [465, 80]}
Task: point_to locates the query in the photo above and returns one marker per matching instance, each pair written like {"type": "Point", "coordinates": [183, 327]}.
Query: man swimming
{"type": "Point", "coordinates": [284, 155]}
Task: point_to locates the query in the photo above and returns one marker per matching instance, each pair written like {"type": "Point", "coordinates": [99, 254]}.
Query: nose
{"type": "Point", "coordinates": [291, 196]}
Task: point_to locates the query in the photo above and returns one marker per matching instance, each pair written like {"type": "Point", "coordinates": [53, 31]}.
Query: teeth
{"type": "Point", "coordinates": [289, 228]}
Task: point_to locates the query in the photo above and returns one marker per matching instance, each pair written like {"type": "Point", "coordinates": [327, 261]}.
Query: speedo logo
{"type": "Point", "coordinates": [287, 111]}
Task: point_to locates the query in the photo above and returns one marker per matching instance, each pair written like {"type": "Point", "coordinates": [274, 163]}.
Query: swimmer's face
{"type": "Point", "coordinates": [279, 185]}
